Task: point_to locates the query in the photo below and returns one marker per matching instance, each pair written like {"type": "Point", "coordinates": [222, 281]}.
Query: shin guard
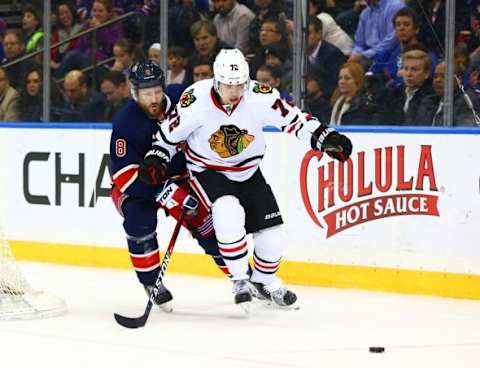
{"type": "Point", "coordinates": [267, 254]}
{"type": "Point", "coordinates": [229, 223]}
{"type": "Point", "coordinates": [145, 257]}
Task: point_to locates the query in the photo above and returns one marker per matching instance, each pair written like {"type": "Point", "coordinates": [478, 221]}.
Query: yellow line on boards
{"type": "Point", "coordinates": [94, 256]}
{"type": "Point", "coordinates": [292, 272]}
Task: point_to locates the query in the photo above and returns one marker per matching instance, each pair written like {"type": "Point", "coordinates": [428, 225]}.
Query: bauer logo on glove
{"type": "Point", "coordinates": [153, 170]}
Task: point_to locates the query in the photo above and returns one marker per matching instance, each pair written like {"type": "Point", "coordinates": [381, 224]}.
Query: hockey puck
{"type": "Point", "coordinates": [376, 349]}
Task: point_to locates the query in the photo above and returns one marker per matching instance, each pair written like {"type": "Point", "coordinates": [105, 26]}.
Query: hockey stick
{"type": "Point", "coordinates": [178, 177]}
{"type": "Point", "coordinates": [136, 322]}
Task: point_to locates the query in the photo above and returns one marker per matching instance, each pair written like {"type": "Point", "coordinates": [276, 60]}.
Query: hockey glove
{"type": "Point", "coordinates": [172, 195]}
{"type": "Point", "coordinates": [336, 145]}
{"type": "Point", "coordinates": [153, 169]}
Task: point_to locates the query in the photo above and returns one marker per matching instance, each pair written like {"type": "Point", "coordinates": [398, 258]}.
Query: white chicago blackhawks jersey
{"type": "Point", "coordinates": [231, 142]}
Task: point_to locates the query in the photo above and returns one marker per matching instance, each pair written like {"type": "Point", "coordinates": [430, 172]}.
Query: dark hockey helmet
{"type": "Point", "coordinates": [145, 74]}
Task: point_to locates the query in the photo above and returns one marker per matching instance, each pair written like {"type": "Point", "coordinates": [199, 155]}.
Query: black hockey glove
{"type": "Point", "coordinates": [153, 169]}
{"type": "Point", "coordinates": [336, 145]}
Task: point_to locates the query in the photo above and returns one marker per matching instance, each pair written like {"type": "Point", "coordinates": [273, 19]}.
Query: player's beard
{"type": "Point", "coordinates": [152, 110]}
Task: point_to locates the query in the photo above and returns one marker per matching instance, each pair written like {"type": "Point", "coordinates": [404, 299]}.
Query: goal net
{"type": "Point", "coordinates": [17, 299]}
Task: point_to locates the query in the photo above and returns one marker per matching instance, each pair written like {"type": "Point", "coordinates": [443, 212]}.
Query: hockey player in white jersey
{"type": "Point", "coordinates": [222, 120]}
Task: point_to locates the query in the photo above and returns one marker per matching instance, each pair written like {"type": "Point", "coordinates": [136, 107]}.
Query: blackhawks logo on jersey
{"type": "Point", "coordinates": [187, 98]}
{"type": "Point", "coordinates": [230, 140]}
{"type": "Point", "coordinates": [262, 88]}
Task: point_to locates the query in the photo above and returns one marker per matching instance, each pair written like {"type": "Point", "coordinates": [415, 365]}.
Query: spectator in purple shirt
{"type": "Point", "coordinates": [82, 56]}
{"type": "Point", "coordinates": [102, 11]}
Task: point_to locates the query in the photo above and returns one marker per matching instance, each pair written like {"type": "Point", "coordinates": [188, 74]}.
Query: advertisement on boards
{"type": "Point", "coordinates": [406, 201]}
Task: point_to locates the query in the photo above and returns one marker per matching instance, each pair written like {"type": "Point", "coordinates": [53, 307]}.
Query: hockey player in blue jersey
{"type": "Point", "coordinates": [133, 129]}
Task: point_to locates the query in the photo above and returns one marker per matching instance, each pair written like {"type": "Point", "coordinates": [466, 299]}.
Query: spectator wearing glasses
{"type": "Point", "coordinates": [263, 9]}
{"type": "Point", "coordinates": [272, 32]}
{"type": "Point", "coordinates": [14, 48]}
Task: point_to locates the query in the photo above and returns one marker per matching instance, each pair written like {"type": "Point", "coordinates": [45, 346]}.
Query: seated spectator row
{"type": "Point", "coordinates": [358, 54]}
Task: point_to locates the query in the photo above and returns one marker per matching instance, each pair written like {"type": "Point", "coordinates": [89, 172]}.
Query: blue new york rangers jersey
{"type": "Point", "coordinates": [132, 135]}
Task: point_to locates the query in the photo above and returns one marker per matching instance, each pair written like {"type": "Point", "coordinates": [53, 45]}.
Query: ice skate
{"type": "Point", "coordinates": [243, 291]}
{"type": "Point", "coordinates": [162, 299]}
{"type": "Point", "coordinates": [276, 294]}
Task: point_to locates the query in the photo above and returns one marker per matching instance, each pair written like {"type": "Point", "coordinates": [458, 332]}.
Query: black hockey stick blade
{"type": "Point", "coordinates": [130, 322]}
{"type": "Point", "coordinates": [133, 322]}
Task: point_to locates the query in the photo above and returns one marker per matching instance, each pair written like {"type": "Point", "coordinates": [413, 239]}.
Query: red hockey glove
{"type": "Point", "coordinates": [172, 196]}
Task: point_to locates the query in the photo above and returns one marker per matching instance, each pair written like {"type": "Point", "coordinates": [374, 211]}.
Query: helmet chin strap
{"type": "Point", "coordinates": [134, 94]}
{"type": "Point", "coordinates": [216, 86]}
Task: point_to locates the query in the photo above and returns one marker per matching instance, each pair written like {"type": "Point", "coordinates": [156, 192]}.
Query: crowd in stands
{"type": "Point", "coordinates": [378, 62]}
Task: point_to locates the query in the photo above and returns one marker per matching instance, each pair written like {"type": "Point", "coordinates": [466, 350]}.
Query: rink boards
{"type": "Point", "coordinates": [402, 215]}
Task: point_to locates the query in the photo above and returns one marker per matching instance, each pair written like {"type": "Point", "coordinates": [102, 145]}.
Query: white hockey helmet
{"type": "Point", "coordinates": [231, 68]}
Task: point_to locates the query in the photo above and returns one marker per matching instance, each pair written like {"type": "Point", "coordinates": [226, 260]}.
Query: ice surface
{"type": "Point", "coordinates": [333, 328]}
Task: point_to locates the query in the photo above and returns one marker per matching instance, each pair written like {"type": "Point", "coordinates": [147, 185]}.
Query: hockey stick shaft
{"type": "Point", "coordinates": [178, 177]}
{"type": "Point", "coordinates": [136, 322]}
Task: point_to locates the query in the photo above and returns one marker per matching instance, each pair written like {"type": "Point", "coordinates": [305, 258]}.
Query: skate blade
{"type": "Point", "coordinates": [271, 305]}
{"type": "Point", "coordinates": [245, 307]}
{"type": "Point", "coordinates": [166, 307]}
